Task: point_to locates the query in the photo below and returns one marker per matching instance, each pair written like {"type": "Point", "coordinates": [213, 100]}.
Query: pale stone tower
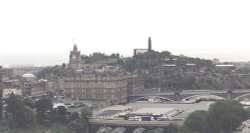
{"type": "Point", "coordinates": [149, 44]}
{"type": "Point", "coordinates": [75, 61]}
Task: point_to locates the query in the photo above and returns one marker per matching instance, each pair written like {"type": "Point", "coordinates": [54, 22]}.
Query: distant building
{"type": "Point", "coordinates": [21, 70]}
{"type": "Point", "coordinates": [135, 84]}
{"type": "Point", "coordinates": [7, 72]}
{"type": "Point", "coordinates": [8, 91]}
{"type": "Point", "coordinates": [216, 61]}
{"type": "Point", "coordinates": [36, 89]}
{"type": "Point", "coordinates": [27, 87]}
{"type": "Point", "coordinates": [29, 77]}
{"type": "Point", "coordinates": [102, 86]}
{"type": "Point", "coordinates": [143, 50]}
{"type": "Point", "coordinates": [99, 82]}
{"type": "Point", "coordinates": [75, 61]}
{"type": "Point", "coordinates": [96, 87]}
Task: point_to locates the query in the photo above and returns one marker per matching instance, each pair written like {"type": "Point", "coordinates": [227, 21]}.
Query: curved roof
{"type": "Point", "coordinates": [28, 75]}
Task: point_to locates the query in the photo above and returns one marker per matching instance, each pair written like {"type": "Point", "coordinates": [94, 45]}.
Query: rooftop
{"type": "Point", "coordinates": [154, 111]}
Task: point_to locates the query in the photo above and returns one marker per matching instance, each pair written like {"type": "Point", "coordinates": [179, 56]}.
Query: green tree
{"type": "Point", "coordinates": [81, 125]}
{"type": "Point", "coordinates": [61, 113]}
{"type": "Point", "coordinates": [196, 121]}
{"type": "Point", "coordinates": [13, 104]}
{"type": "Point", "coordinates": [225, 116]}
{"type": "Point", "coordinates": [21, 115]}
{"type": "Point", "coordinates": [74, 116]}
{"type": "Point", "coordinates": [86, 113]}
{"type": "Point", "coordinates": [43, 107]}
{"type": "Point", "coordinates": [25, 117]}
{"type": "Point", "coordinates": [76, 126]}
{"type": "Point", "coordinates": [29, 103]}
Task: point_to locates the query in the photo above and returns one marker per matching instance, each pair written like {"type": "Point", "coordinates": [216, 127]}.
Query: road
{"type": "Point", "coordinates": [133, 123]}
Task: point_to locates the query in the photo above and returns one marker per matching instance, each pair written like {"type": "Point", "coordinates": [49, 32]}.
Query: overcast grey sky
{"type": "Point", "coordinates": [40, 32]}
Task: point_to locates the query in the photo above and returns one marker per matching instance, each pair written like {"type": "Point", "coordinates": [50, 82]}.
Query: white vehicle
{"type": "Point", "coordinates": [164, 118]}
{"type": "Point", "coordinates": [134, 118]}
{"type": "Point", "coordinates": [178, 119]}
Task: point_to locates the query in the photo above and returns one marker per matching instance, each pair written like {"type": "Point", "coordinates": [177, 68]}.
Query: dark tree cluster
{"type": "Point", "coordinates": [19, 114]}
{"type": "Point", "coordinates": [54, 72]}
{"type": "Point", "coordinates": [98, 57]}
{"type": "Point", "coordinates": [23, 113]}
{"type": "Point", "coordinates": [80, 124]}
{"type": "Point", "coordinates": [221, 117]}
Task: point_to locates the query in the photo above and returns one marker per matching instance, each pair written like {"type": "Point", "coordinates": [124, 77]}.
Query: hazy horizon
{"type": "Point", "coordinates": [51, 59]}
{"type": "Point", "coordinates": [41, 32]}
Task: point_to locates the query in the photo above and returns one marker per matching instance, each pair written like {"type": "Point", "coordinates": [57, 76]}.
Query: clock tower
{"type": "Point", "coordinates": [75, 61]}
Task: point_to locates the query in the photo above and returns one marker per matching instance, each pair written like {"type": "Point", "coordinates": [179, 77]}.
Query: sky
{"type": "Point", "coordinates": [42, 32]}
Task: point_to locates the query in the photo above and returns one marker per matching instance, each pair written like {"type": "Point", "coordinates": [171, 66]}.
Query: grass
{"type": "Point", "coordinates": [55, 128]}
{"type": "Point", "coordinates": [58, 128]}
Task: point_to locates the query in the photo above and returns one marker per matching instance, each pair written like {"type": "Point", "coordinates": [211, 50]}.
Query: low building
{"type": "Point", "coordinates": [8, 91]}
{"type": "Point", "coordinates": [7, 72]}
{"type": "Point", "coordinates": [27, 86]}
{"type": "Point", "coordinates": [36, 89]}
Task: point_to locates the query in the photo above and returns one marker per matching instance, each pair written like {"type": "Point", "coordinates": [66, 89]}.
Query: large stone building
{"type": "Point", "coordinates": [96, 87]}
{"type": "Point", "coordinates": [103, 83]}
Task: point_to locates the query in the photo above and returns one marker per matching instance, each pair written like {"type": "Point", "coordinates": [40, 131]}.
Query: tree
{"type": "Point", "coordinates": [25, 117]}
{"type": "Point", "coordinates": [13, 103]}
{"type": "Point", "coordinates": [61, 113]}
{"type": "Point", "coordinates": [74, 116]}
{"type": "Point", "coordinates": [22, 115]}
{"type": "Point", "coordinates": [81, 125]}
{"type": "Point", "coordinates": [43, 107]}
{"type": "Point", "coordinates": [29, 103]}
{"type": "Point", "coordinates": [76, 126]}
{"type": "Point", "coordinates": [225, 116]}
{"type": "Point", "coordinates": [63, 65]}
{"type": "Point", "coordinates": [196, 121]}
{"type": "Point", "coordinates": [86, 113]}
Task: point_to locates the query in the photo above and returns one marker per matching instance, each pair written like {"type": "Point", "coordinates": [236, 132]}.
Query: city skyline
{"type": "Point", "coordinates": [51, 59]}
{"type": "Point", "coordinates": [45, 30]}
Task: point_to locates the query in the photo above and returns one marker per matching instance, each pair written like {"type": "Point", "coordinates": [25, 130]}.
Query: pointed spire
{"type": "Point", "coordinates": [75, 48]}
{"type": "Point", "coordinates": [149, 44]}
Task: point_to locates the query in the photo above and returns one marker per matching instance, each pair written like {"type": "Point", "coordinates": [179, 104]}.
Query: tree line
{"type": "Point", "coordinates": [24, 113]}
{"type": "Point", "coordinates": [221, 117]}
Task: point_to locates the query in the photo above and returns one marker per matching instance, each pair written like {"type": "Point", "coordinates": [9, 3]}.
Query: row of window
{"type": "Point", "coordinates": [94, 85]}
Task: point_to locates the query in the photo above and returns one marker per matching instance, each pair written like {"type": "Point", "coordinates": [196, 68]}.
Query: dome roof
{"type": "Point", "coordinates": [28, 75]}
